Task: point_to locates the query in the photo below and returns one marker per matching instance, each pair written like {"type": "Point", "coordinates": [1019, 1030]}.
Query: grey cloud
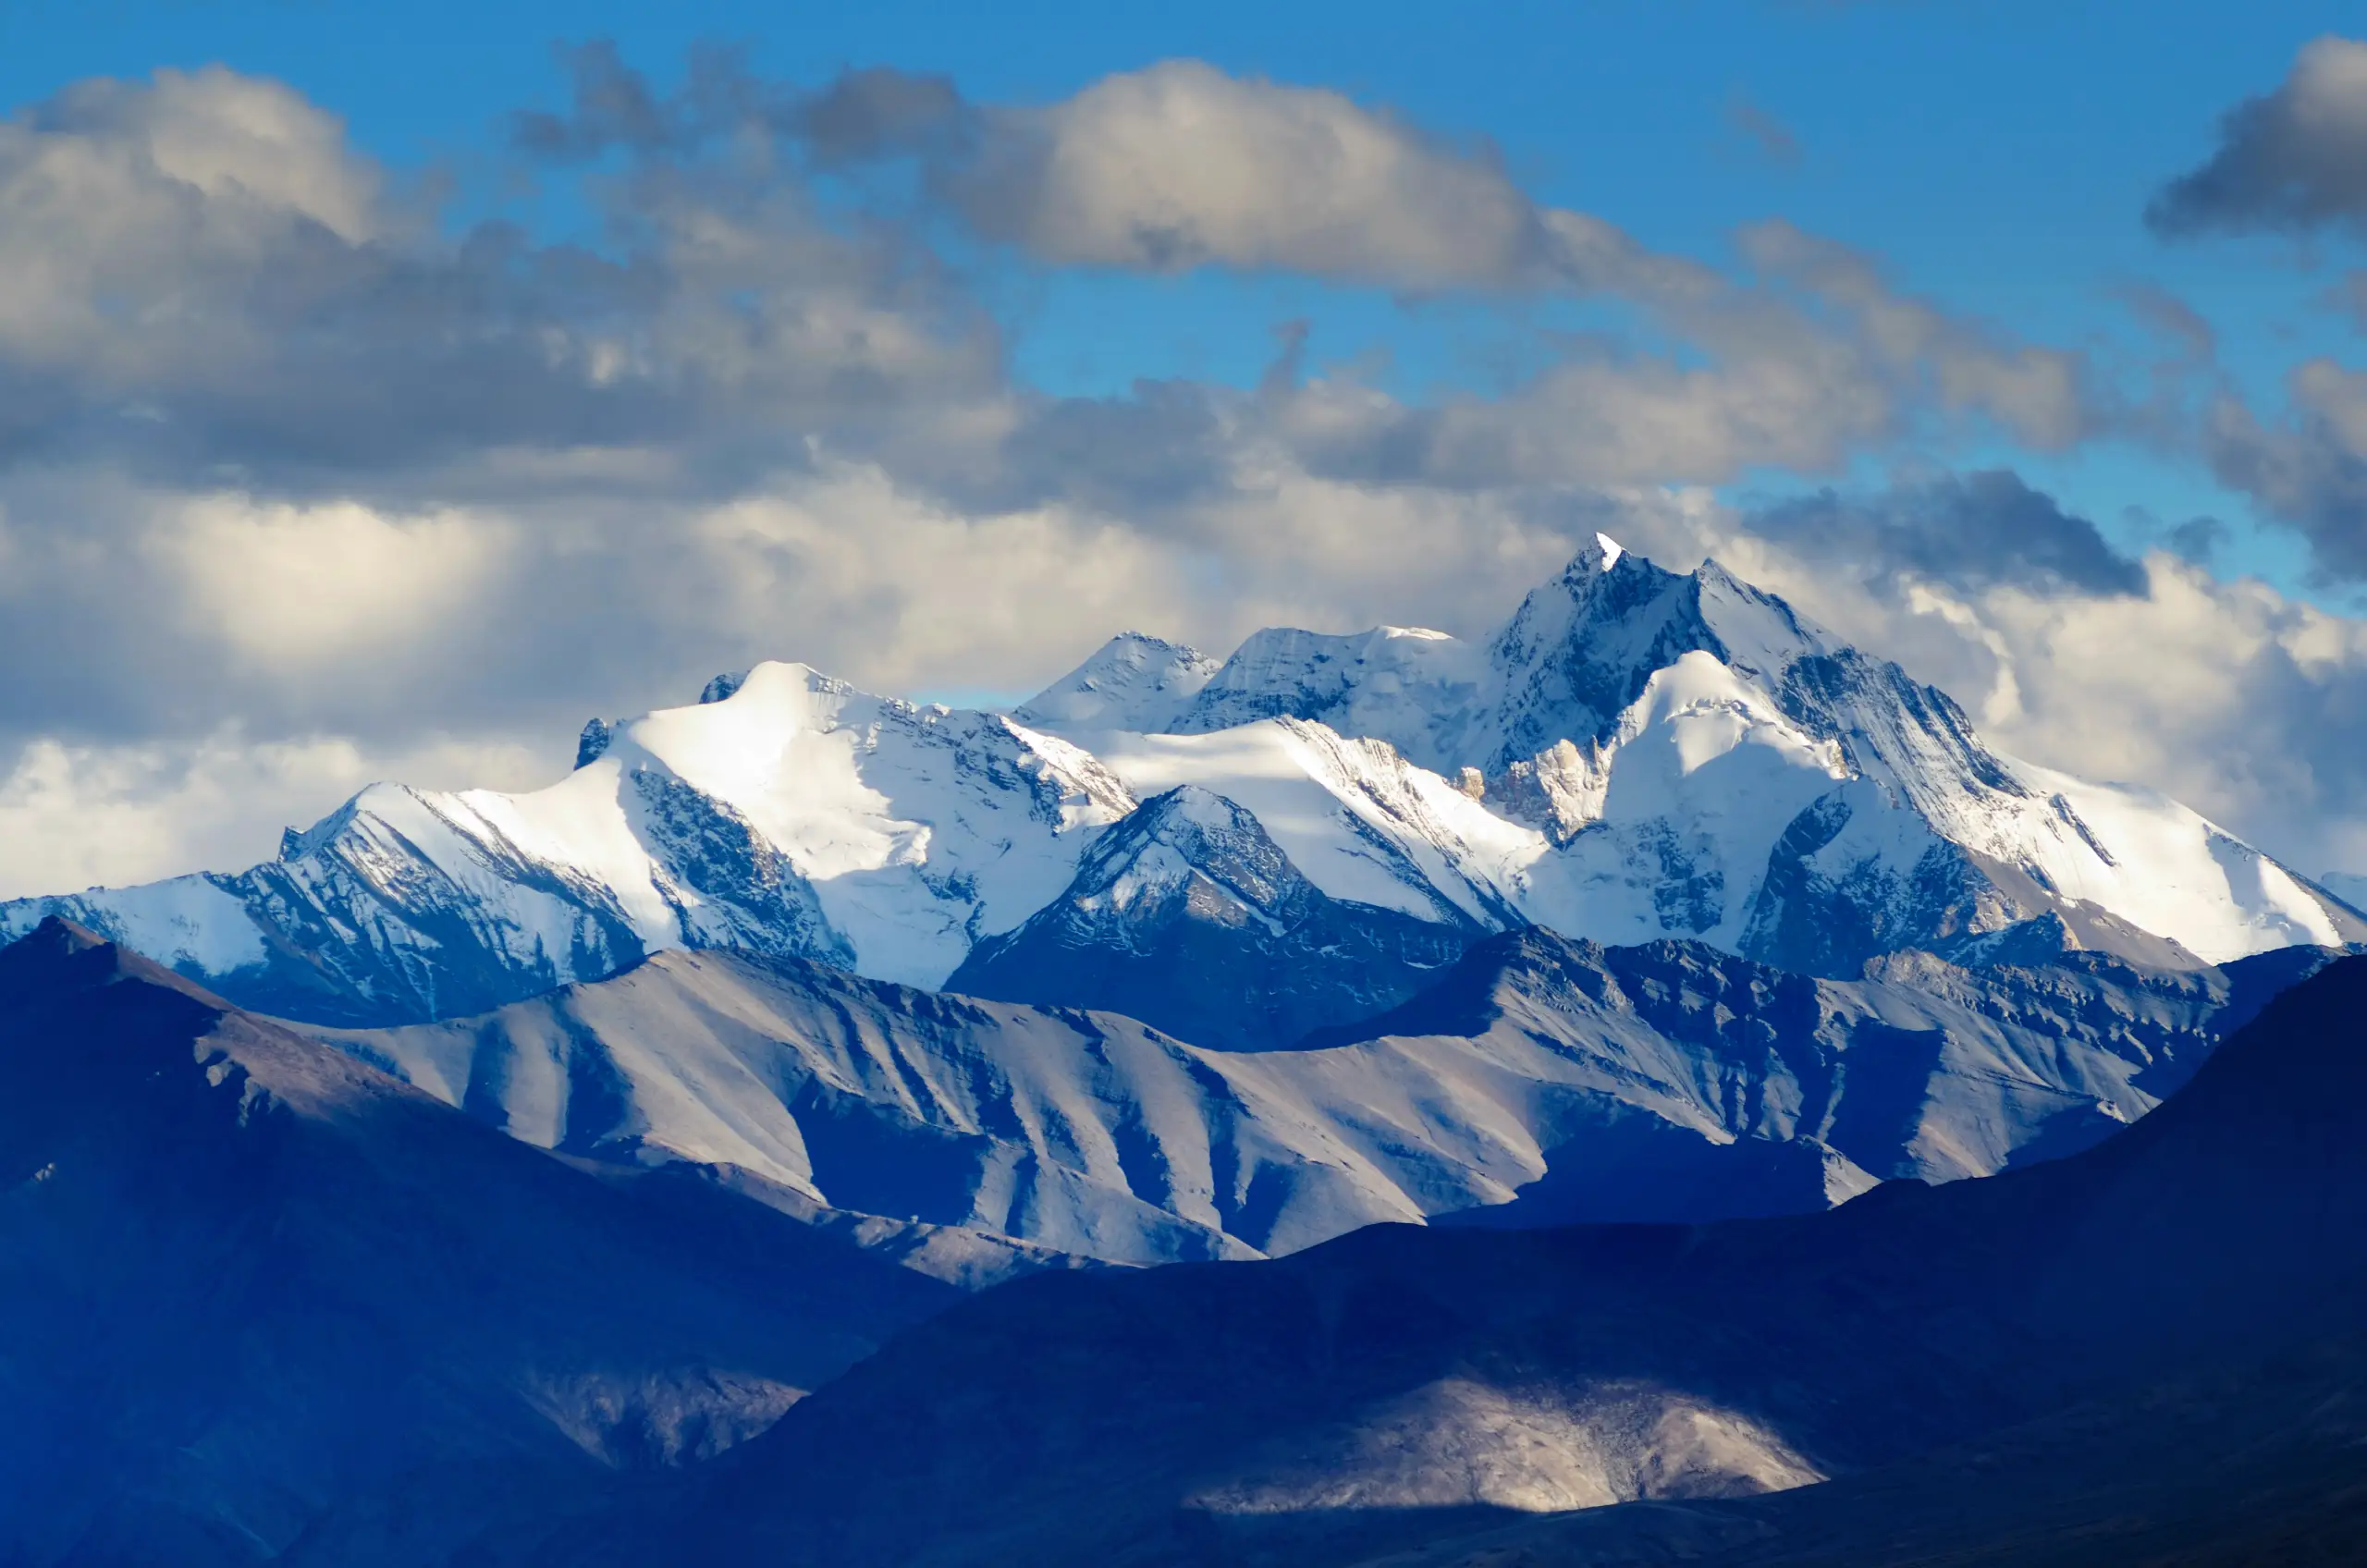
{"type": "Point", "coordinates": [2294, 159]}
{"type": "Point", "coordinates": [205, 282]}
{"type": "Point", "coordinates": [2308, 470]}
{"type": "Point", "coordinates": [860, 116]}
{"type": "Point", "coordinates": [2038, 394]}
{"type": "Point", "coordinates": [613, 107]}
{"type": "Point", "coordinates": [733, 317]}
{"type": "Point", "coordinates": [1164, 443]}
{"type": "Point", "coordinates": [2198, 539]}
{"type": "Point", "coordinates": [139, 615]}
{"type": "Point", "coordinates": [1774, 140]}
{"type": "Point", "coordinates": [2171, 316]}
{"type": "Point", "coordinates": [1180, 166]}
{"type": "Point", "coordinates": [880, 113]}
{"type": "Point", "coordinates": [1972, 531]}
{"type": "Point", "coordinates": [1816, 360]}
{"type": "Point", "coordinates": [1600, 419]}
{"type": "Point", "coordinates": [2349, 296]}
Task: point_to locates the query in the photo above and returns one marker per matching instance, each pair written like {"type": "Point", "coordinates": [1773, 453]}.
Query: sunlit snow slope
{"type": "Point", "coordinates": [787, 815]}
{"type": "Point", "coordinates": [1692, 757]}
{"type": "Point", "coordinates": [1637, 754]}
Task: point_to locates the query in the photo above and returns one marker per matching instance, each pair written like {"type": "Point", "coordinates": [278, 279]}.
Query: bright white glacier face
{"type": "Point", "coordinates": [1637, 753]}
{"type": "Point", "coordinates": [1407, 685]}
{"type": "Point", "coordinates": [919, 829]}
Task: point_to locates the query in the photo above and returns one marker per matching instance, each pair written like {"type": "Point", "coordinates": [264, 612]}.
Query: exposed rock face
{"type": "Point", "coordinates": [1540, 1081]}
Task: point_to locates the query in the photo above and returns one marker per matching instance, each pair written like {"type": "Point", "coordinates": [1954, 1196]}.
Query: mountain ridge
{"type": "Point", "coordinates": [1264, 1413]}
{"type": "Point", "coordinates": [252, 1281]}
{"type": "Point", "coordinates": [1636, 754]}
{"type": "Point", "coordinates": [1539, 1080]}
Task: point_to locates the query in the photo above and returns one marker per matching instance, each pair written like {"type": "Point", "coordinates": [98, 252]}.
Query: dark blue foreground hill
{"type": "Point", "coordinates": [261, 1303]}
{"type": "Point", "coordinates": [1402, 1384]}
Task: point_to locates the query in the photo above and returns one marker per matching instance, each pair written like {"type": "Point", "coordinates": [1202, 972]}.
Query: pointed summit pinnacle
{"type": "Point", "coordinates": [1595, 561]}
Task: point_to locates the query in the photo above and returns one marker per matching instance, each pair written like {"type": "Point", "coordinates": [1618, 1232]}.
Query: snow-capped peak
{"type": "Point", "coordinates": [1708, 760]}
{"type": "Point", "coordinates": [1391, 683]}
{"type": "Point", "coordinates": [1576, 655]}
{"type": "Point", "coordinates": [1132, 681]}
{"type": "Point", "coordinates": [919, 828]}
{"type": "Point", "coordinates": [786, 813]}
{"type": "Point", "coordinates": [1638, 752]}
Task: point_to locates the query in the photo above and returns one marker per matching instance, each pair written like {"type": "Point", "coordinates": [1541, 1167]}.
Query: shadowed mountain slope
{"type": "Point", "coordinates": [1188, 916]}
{"type": "Point", "coordinates": [248, 1282]}
{"type": "Point", "coordinates": [1666, 1081]}
{"type": "Point", "coordinates": [1402, 1382]}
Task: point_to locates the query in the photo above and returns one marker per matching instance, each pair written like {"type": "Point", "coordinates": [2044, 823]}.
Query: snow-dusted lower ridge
{"type": "Point", "coordinates": [1558, 1080]}
{"type": "Point", "coordinates": [1188, 916]}
{"type": "Point", "coordinates": [1637, 754]}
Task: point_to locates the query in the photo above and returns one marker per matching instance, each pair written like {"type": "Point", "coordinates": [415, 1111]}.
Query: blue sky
{"type": "Point", "coordinates": [347, 430]}
{"type": "Point", "coordinates": [1997, 153]}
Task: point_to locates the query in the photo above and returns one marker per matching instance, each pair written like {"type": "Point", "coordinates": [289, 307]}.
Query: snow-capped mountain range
{"type": "Point", "coordinates": [1636, 754]}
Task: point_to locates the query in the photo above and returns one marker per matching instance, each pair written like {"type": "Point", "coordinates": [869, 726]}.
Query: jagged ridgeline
{"type": "Point", "coordinates": [1541, 1081]}
{"type": "Point", "coordinates": [2146, 1352]}
{"type": "Point", "coordinates": [1315, 828]}
{"type": "Point", "coordinates": [606, 1123]}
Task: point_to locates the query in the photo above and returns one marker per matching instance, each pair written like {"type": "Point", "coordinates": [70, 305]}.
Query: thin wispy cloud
{"type": "Point", "coordinates": [1769, 136]}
